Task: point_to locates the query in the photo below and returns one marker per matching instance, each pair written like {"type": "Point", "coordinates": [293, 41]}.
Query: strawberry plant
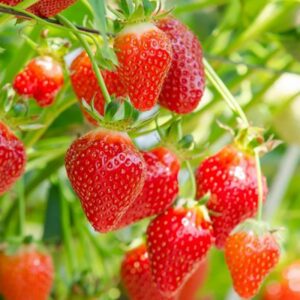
{"type": "Point", "coordinates": [149, 150]}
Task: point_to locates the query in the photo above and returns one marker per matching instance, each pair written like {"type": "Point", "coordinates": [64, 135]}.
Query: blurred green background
{"type": "Point", "coordinates": [254, 48]}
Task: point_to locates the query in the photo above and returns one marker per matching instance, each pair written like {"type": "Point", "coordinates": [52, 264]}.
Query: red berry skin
{"type": "Point", "coordinates": [136, 276]}
{"type": "Point", "coordinates": [250, 258]}
{"type": "Point", "coordinates": [107, 172]}
{"type": "Point", "coordinates": [230, 177]}
{"type": "Point", "coordinates": [86, 86]}
{"type": "Point", "coordinates": [160, 188]}
{"type": "Point", "coordinates": [44, 8]}
{"type": "Point", "coordinates": [26, 275]}
{"type": "Point", "coordinates": [288, 288]}
{"type": "Point", "coordinates": [144, 53]}
{"type": "Point", "coordinates": [41, 79]}
{"type": "Point", "coordinates": [177, 240]}
{"type": "Point", "coordinates": [12, 158]}
{"type": "Point", "coordinates": [185, 83]}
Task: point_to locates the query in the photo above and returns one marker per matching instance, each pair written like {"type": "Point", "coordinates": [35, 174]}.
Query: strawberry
{"type": "Point", "coordinates": [250, 256]}
{"type": "Point", "coordinates": [288, 288]}
{"type": "Point", "coordinates": [86, 86]}
{"type": "Point", "coordinates": [26, 275]}
{"type": "Point", "coordinates": [44, 8]}
{"type": "Point", "coordinates": [195, 282]}
{"type": "Point", "coordinates": [136, 276]}
{"type": "Point", "coordinates": [107, 172]}
{"type": "Point", "coordinates": [230, 178]}
{"type": "Point", "coordinates": [185, 83]}
{"type": "Point", "coordinates": [160, 188]}
{"type": "Point", "coordinates": [178, 240]}
{"type": "Point", "coordinates": [41, 79]}
{"type": "Point", "coordinates": [144, 53]}
{"type": "Point", "coordinates": [12, 158]}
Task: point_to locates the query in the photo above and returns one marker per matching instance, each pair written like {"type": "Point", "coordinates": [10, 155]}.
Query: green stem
{"type": "Point", "coordinates": [179, 128]}
{"type": "Point", "coordinates": [259, 184]}
{"type": "Point", "coordinates": [65, 219]}
{"type": "Point", "coordinates": [223, 90]}
{"type": "Point", "coordinates": [22, 5]}
{"type": "Point", "coordinates": [13, 11]}
{"type": "Point", "coordinates": [47, 118]}
{"type": "Point", "coordinates": [103, 254]}
{"type": "Point", "coordinates": [16, 11]}
{"type": "Point", "coordinates": [21, 207]}
{"type": "Point", "coordinates": [192, 179]}
{"type": "Point", "coordinates": [89, 51]}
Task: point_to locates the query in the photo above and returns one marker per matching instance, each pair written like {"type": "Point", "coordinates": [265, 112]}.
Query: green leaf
{"type": "Point", "coordinates": [100, 16]}
{"type": "Point", "coordinates": [291, 41]}
{"type": "Point", "coordinates": [52, 224]}
{"type": "Point", "coordinates": [100, 22]}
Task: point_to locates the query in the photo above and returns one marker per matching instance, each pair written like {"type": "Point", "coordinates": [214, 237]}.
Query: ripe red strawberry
{"type": "Point", "coordinates": [86, 86]}
{"type": "Point", "coordinates": [136, 276]}
{"type": "Point", "coordinates": [12, 158]}
{"type": "Point", "coordinates": [288, 288]}
{"type": "Point", "coordinates": [44, 8]}
{"type": "Point", "coordinates": [185, 83]}
{"type": "Point", "coordinates": [178, 240]}
{"type": "Point", "coordinates": [41, 79]}
{"type": "Point", "coordinates": [160, 188]}
{"type": "Point", "coordinates": [107, 172]}
{"type": "Point", "coordinates": [26, 275]}
{"type": "Point", "coordinates": [230, 177]}
{"type": "Point", "coordinates": [250, 257]}
{"type": "Point", "coordinates": [144, 53]}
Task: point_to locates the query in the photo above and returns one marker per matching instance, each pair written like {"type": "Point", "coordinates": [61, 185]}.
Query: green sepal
{"type": "Point", "coordinates": [127, 7]}
{"type": "Point", "coordinates": [204, 199]}
{"type": "Point", "coordinates": [186, 142]}
{"type": "Point", "coordinates": [149, 7]}
{"type": "Point", "coordinates": [137, 15]}
{"type": "Point", "coordinates": [111, 110]}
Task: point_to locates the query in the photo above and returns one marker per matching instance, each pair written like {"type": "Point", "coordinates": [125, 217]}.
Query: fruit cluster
{"type": "Point", "coordinates": [159, 62]}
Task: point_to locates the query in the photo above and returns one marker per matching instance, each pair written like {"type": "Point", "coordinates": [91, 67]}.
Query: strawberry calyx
{"type": "Point", "coordinates": [199, 206]}
{"type": "Point", "coordinates": [257, 228]}
{"type": "Point", "coordinates": [184, 147]}
{"type": "Point", "coordinates": [249, 139]}
{"type": "Point", "coordinates": [119, 115]}
{"type": "Point", "coordinates": [138, 11]}
{"type": "Point", "coordinates": [14, 111]}
{"type": "Point", "coordinates": [86, 284]}
{"type": "Point", "coordinates": [15, 244]}
{"type": "Point", "coordinates": [56, 48]}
